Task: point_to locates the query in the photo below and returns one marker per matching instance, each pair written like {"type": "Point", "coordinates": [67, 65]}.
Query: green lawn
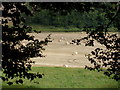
{"type": "Point", "coordinates": [61, 29]}
{"type": "Point", "coordinates": [54, 29]}
{"type": "Point", "coordinates": [58, 77]}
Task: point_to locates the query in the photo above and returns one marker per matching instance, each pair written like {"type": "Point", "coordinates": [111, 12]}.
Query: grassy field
{"type": "Point", "coordinates": [62, 29]}
{"type": "Point", "coordinates": [54, 29]}
{"type": "Point", "coordinates": [58, 77]}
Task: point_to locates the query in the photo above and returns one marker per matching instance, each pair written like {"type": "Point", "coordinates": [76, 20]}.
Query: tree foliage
{"type": "Point", "coordinates": [15, 55]}
{"type": "Point", "coordinates": [73, 19]}
{"type": "Point", "coordinates": [108, 59]}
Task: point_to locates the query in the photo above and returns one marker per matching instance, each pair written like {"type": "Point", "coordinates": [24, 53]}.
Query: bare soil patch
{"type": "Point", "coordinates": [59, 53]}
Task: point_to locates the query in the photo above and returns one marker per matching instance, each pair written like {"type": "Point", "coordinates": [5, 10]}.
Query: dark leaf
{"type": "Point", "coordinates": [10, 83]}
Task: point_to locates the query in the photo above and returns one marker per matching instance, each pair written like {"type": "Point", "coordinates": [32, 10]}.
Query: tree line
{"type": "Point", "coordinates": [72, 19]}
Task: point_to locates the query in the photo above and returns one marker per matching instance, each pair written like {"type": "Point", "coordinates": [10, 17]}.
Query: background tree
{"type": "Point", "coordinates": [73, 19]}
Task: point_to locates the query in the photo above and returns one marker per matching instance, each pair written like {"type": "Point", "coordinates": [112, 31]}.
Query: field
{"type": "Point", "coordinates": [63, 68]}
{"type": "Point", "coordinates": [60, 52]}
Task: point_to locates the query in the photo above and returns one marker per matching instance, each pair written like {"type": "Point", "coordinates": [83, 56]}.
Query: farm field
{"type": "Point", "coordinates": [60, 52]}
{"type": "Point", "coordinates": [63, 67]}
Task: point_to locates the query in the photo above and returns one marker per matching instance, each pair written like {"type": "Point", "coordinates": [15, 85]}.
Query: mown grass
{"type": "Point", "coordinates": [58, 77]}
{"type": "Point", "coordinates": [61, 29]}
{"type": "Point", "coordinates": [54, 29]}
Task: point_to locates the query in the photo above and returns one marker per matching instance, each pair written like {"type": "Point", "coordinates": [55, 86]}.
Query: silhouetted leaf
{"type": "Point", "coordinates": [10, 83]}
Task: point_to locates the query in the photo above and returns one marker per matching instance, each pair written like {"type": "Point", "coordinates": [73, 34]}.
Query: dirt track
{"type": "Point", "coordinates": [59, 53]}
